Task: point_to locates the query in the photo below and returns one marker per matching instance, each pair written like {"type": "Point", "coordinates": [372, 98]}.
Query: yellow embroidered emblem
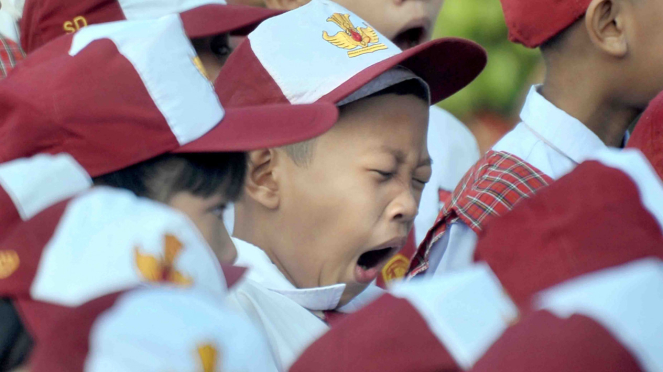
{"type": "Point", "coordinates": [74, 25]}
{"type": "Point", "coordinates": [201, 68]}
{"type": "Point", "coordinates": [356, 39]}
{"type": "Point", "coordinates": [395, 269]}
{"type": "Point", "coordinates": [9, 262]}
{"type": "Point", "coordinates": [209, 357]}
{"type": "Point", "coordinates": [162, 269]}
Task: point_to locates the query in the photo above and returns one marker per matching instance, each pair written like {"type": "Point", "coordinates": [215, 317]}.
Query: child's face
{"type": "Point", "coordinates": [349, 210]}
{"type": "Point", "coordinates": [213, 52]}
{"type": "Point", "coordinates": [207, 215]}
{"type": "Point", "coordinates": [407, 23]}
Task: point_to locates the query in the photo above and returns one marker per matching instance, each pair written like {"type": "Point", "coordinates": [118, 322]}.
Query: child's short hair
{"type": "Point", "coordinates": [203, 174]}
{"type": "Point", "coordinates": [301, 153]}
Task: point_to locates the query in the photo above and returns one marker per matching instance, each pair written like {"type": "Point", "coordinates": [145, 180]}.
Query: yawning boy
{"type": "Point", "coordinates": [320, 218]}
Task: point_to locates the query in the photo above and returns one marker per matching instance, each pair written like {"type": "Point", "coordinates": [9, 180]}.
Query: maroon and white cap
{"type": "Point", "coordinates": [442, 323]}
{"type": "Point", "coordinates": [45, 20]}
{"type": "Point", "coordinates": [606, 212]}
{"type": "Point", "coordinates": [465, 321]}
{"type": "Point", "coordinates": [102, 241]}
{"type": "Point", "coordinates": [115, 94]}
{"type": "Point", "coordinates": [648, 134]}
{"type": "Point", "coordinates": [323, 52]}
{"type": "Point", "coordinates": [30, 185]}
{"type": "Point", "coordinates": [607, 320]}
{"type": "Point", "coordinates": [153, 329]}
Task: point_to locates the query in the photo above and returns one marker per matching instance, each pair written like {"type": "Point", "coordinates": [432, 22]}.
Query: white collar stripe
{"type": "Point", "coordinates": [165, 60]}
{"type": "Point", "coordinates": [36, 183]}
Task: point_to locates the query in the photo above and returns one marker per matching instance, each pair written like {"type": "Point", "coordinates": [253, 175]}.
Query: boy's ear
{"type": "Point", "coordinates": [261, 182]}
{"type": "Point", "coordinates": [285, 4]}
{"type": "Point", "coordinates": [605, 21]}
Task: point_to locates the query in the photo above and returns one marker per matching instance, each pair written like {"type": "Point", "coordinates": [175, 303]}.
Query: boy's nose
{"type": "Point", "coordinates": [405, 207]}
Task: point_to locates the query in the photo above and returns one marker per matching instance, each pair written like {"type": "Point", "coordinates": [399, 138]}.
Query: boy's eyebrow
{"type": "Point", "coordinates": [400, 156]}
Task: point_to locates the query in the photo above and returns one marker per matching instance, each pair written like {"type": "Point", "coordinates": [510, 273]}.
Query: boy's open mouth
{"type": "Point", "coordinates": [415, 32]}
{"type": "Point", "coordinates": [370, 263]}
{"type": "Point", "coordinates": [410, 37]}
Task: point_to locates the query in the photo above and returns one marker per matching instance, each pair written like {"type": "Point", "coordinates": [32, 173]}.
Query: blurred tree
{"type": "Point", "coordinates": [497, 93]}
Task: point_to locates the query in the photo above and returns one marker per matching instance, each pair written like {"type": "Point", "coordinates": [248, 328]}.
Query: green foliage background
{"type": "Point", "coordinates": [498, 89]}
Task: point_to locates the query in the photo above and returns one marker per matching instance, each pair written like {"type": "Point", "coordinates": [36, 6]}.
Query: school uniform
{"type": "Point", "coordinates": [592, 284]}
{"type": "Point", "coordinates": [546, 145]}
{"type": "Point", "coordinates": [292, 318]}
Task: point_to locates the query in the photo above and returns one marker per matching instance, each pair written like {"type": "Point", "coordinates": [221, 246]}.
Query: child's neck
{"type": "Point", "coordinates": [608, 120]}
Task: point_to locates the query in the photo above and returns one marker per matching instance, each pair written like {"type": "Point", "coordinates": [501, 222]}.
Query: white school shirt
{"type": "Point", "coordinates": [8, 27]}
{"type": "Point", "coordinates": [282, 311]}
{"type": "Point", "coordinates": [547, 138]}
{"type": "Point", "coordinates": [454, 150]}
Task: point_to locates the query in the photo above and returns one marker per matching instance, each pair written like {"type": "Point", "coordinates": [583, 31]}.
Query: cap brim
{"type": "Point", "coordinates": [447, 65]}
{"type": "Point", "coordinates": [215, 19]}
{"type": "Point", "coordinates": [259, 127]}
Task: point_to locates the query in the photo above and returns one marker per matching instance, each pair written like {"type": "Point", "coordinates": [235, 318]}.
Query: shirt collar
{"type": "Point", "coordinates": [559, 129]}
{"type": "Point", "coordinates": [265, 273]}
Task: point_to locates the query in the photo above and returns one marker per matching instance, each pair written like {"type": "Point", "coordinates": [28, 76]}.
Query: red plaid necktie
{"type": "Point", "coordinates": [10, 54]}
{"type": "Point", "coordinates": [489, 189]}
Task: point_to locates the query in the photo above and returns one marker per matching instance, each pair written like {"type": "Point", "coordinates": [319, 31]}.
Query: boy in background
{"type": "Point", "coordinates": [601, 58]}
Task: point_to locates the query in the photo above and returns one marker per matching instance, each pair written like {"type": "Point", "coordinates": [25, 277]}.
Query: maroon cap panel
{"type": "Point", "coordinates": [591, 219]}
{"type": "Point", "coordinates": [27, 239]}
{"type": "Point", "coordinates": [255, 87]}
{"type": "Point", "coordinates": [103, 129]}
{"type": "Point", "coordinates": [66, 344]}
{"type": "Point", "coordinates": [648, 134]}
{"type": "Point", "coordinates": [387, 335]}
{"type": "Point", "coordinates": [532, 23]}
{"type": "Point", "coordinates": [544, 343]}
{"type": "Point", "coordinates": [8, 216]}
{"type": "Point", "coordinates": [45, 20]}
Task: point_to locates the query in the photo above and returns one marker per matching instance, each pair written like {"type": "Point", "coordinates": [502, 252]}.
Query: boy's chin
{"type": "Point", "coordinates": [352, 290]}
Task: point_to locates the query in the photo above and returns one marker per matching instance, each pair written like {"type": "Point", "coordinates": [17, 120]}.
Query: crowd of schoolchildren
{"type": "Point", "coordinates": [366, 233]}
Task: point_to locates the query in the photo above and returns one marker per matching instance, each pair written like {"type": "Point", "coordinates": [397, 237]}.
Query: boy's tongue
{"type": "Point", "coordinates": [363, 275]}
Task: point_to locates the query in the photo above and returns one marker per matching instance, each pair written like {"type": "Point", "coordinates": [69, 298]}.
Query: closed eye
{"type": "Point", "coordinates": [421, 182]}
{"type": "Point", "coordinates": [384, 174]}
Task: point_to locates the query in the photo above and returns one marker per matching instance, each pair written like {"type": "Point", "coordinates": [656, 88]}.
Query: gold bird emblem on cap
{"type": "Point", "coordinates": [209, 357]}
{"type": "Point", "coordinates": [162, 269]}
{"type": "Point", "coordinates": [356, 39]}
